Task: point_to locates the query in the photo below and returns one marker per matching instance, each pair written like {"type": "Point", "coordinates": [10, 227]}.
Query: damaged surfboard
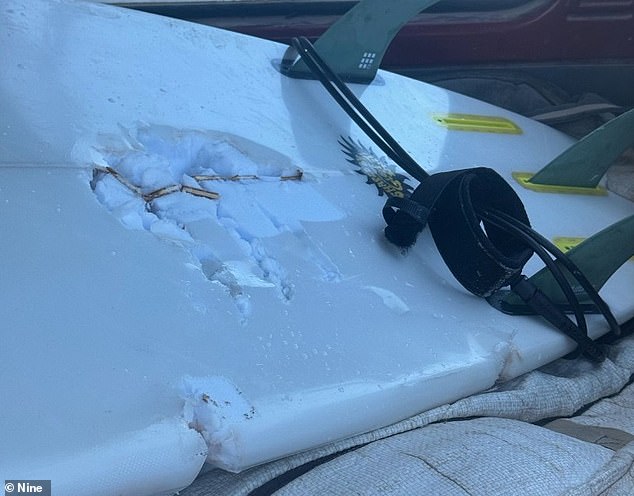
{"type": "Point", "coordinates": [194, 265]}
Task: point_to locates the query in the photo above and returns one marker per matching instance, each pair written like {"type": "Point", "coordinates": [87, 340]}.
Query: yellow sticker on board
{"type": "Point", "coordinates": [566, 243]}
{"type": "Point", "coordinates": [477, 123]}
{"type": "Point", "coordinates": [523, 178]}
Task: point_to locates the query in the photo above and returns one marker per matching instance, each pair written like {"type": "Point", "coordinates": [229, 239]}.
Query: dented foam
{"type": "Point", "coordinates": [257, 201]}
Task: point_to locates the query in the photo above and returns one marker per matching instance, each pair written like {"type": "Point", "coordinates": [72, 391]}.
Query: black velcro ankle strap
{"type": "Point", "coordinates": [481, 256]}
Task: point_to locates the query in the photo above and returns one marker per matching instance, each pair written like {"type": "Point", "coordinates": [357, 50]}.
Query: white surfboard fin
{"type": "Point", "coordinates": [355, 45]}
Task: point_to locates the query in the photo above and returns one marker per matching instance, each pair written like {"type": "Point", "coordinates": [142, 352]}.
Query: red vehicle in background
{"type": "Point", "coordinates": [579, 46]}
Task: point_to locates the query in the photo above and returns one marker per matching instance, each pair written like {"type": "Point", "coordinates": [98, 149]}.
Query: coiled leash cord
{"type": "Point", "coordinates": [478, 223]}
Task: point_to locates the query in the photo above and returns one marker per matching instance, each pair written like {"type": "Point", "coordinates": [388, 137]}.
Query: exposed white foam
{"type": "Point", "coordinates": [252, 199]}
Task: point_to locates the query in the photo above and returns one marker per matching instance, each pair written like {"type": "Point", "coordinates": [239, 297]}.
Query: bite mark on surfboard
{"type": "Point", "coordinates": [214, 406]}
{"type": "Point", "coordinates": [181, 185]}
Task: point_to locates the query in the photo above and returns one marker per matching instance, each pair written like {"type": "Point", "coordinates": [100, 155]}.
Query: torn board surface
{"type": "Point", "coordinates": [265, 320]}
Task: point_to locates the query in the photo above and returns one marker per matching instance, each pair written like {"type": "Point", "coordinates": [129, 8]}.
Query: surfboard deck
{"type": "Point", "coordinates": [261, 320]}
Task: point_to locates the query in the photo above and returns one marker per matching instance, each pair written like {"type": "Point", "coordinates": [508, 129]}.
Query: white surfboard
{"type": "Point", "coordinates": [193, 271]}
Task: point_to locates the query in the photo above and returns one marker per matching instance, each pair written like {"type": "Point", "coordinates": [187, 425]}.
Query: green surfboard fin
{"type": "Point", "coordinates": [598, 257]}
{"type": "Point", "coordinates": [584, 163]}
{"type": "Point", "coordinates": [355, 45]}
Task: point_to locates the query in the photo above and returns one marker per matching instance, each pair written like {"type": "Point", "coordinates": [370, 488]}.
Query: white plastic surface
{"type": "Point", "coordinates": [274, 319]}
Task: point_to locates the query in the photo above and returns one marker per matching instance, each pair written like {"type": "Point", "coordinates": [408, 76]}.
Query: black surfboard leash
{"type": "Point", "coordinates": [355, 109]}
{"type": "Point", "coordinates": [478, 223]}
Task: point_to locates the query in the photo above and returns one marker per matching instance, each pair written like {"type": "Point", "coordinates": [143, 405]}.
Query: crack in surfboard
{"type": "Point", "coordinates": [159, 179]}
